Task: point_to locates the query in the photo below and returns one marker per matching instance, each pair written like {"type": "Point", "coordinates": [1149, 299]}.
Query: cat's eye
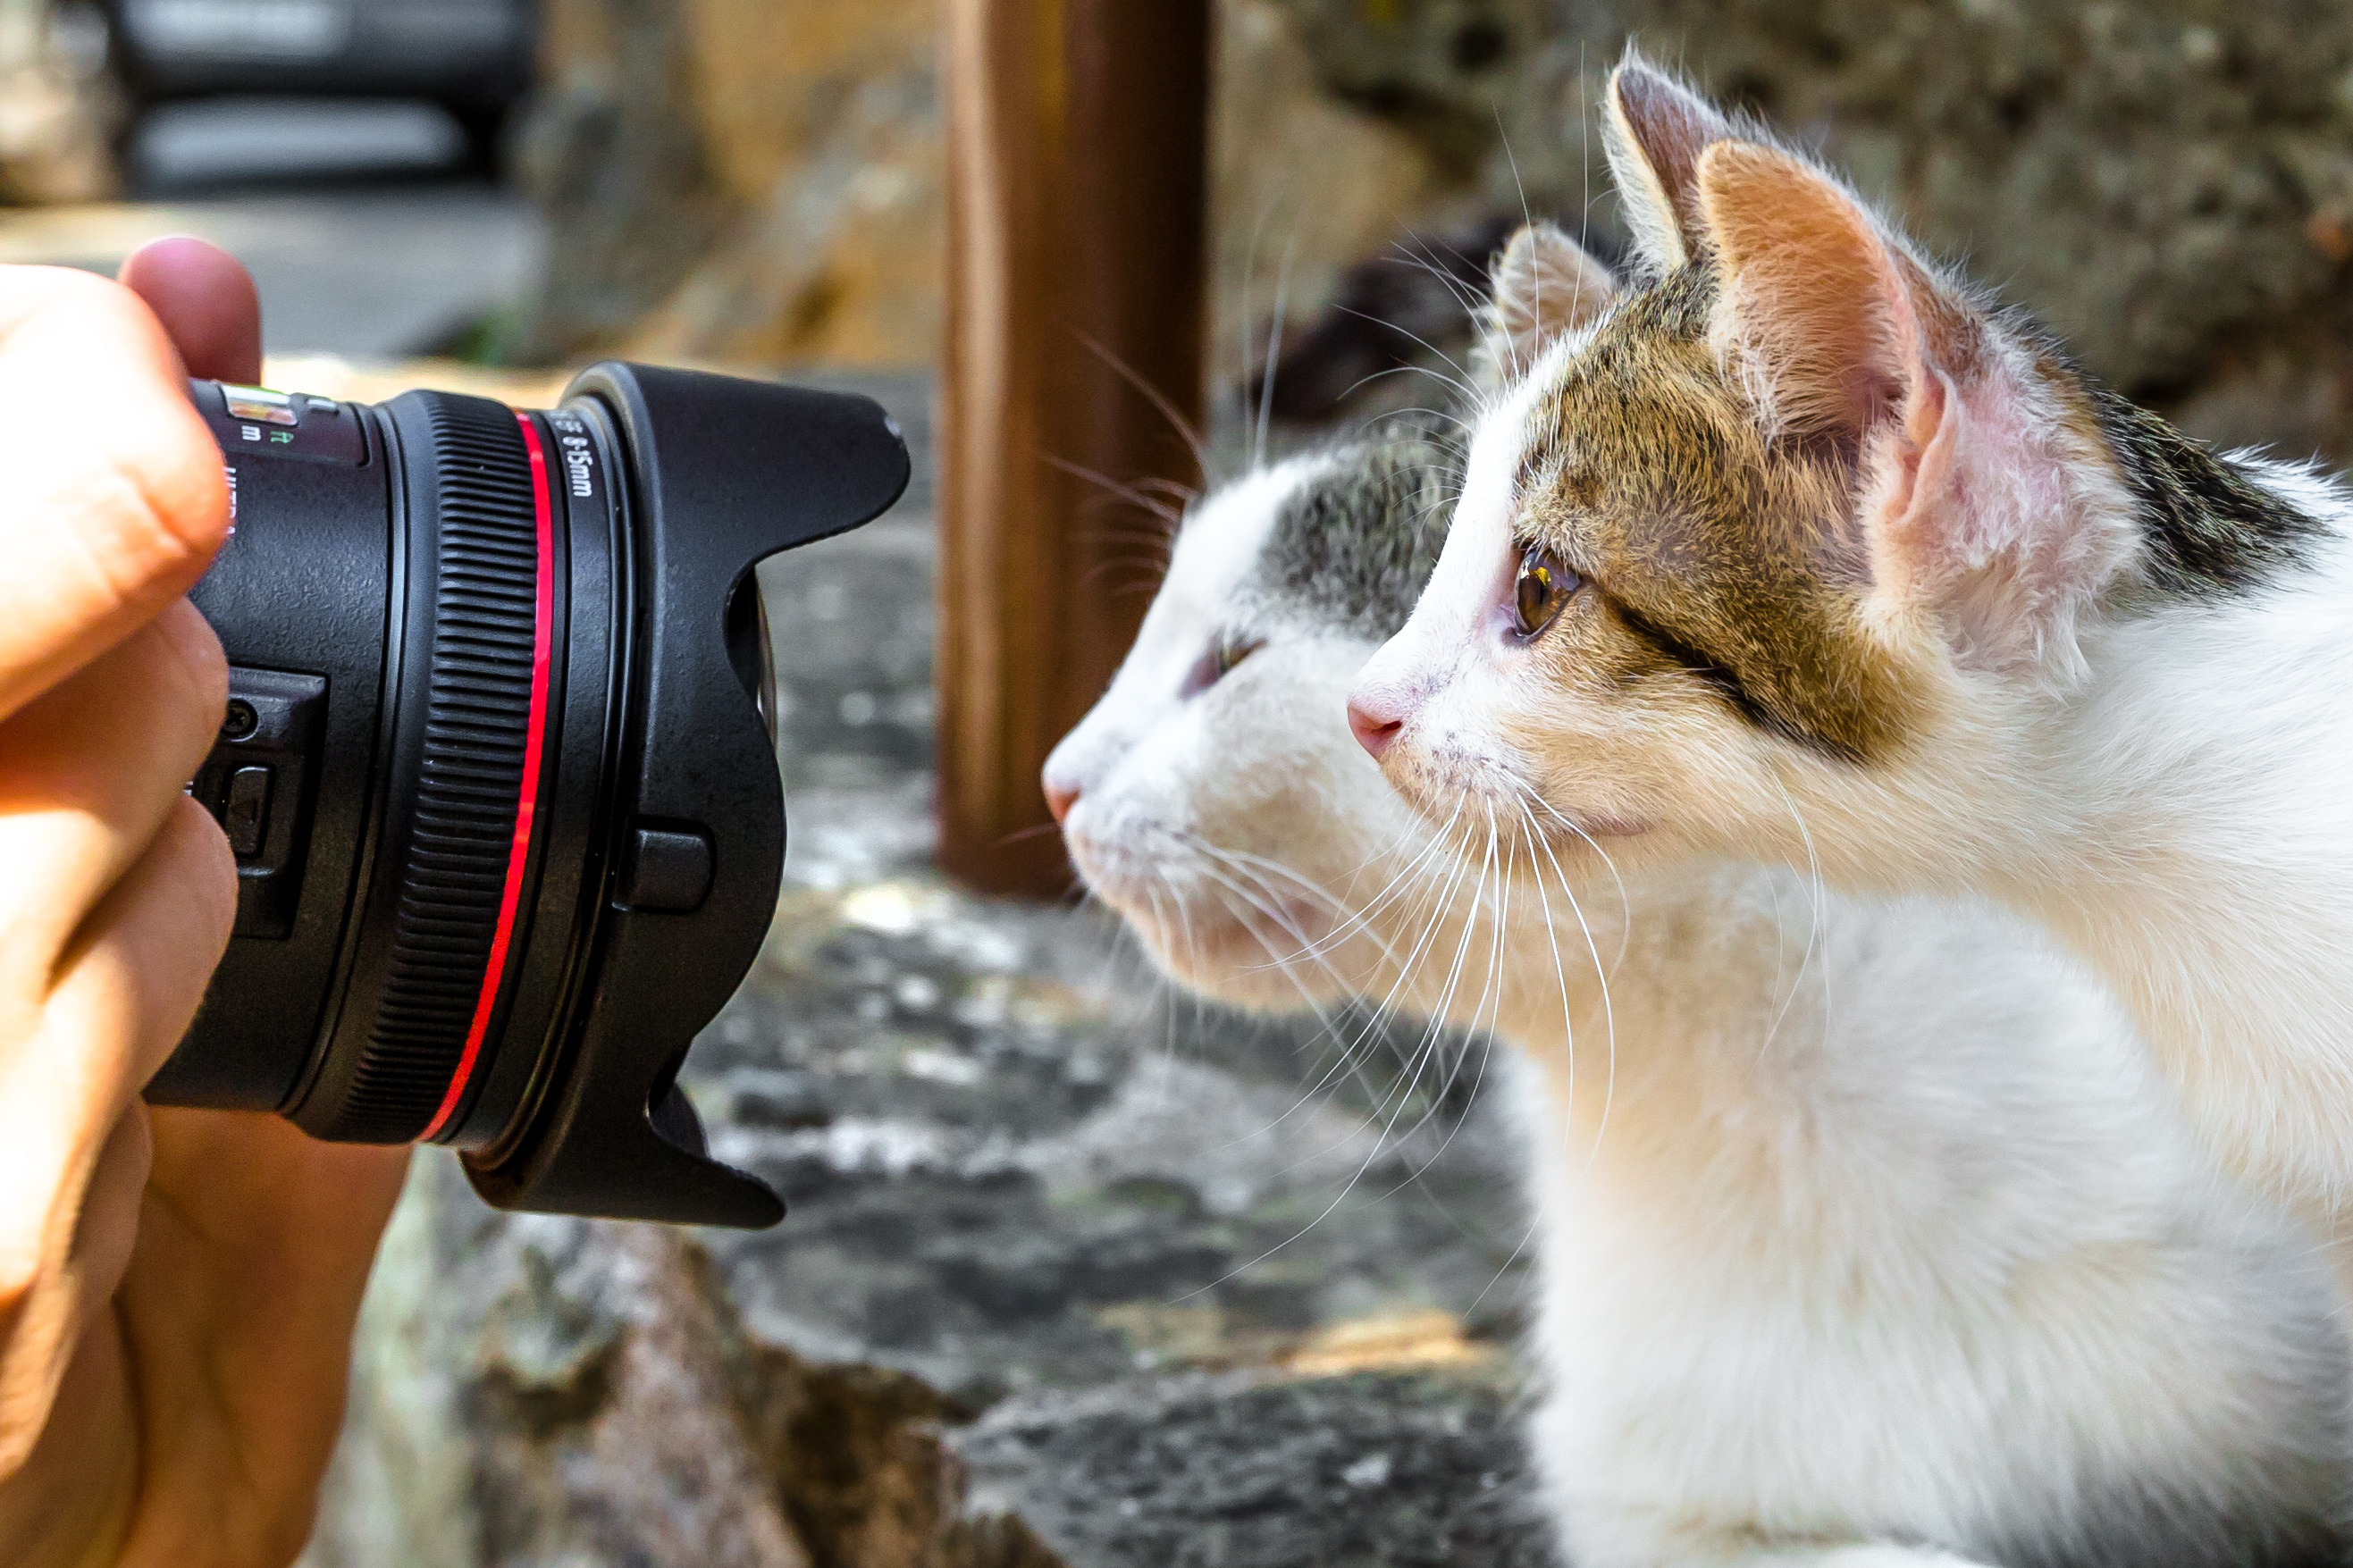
{"type": "Point", "coordinates": [1214, 663]}
{"type": "Point", "coordinates": [1542, 589]}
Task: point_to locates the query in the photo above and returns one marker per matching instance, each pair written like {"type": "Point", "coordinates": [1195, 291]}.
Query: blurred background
{"type": "Point", "coordinates": [1071, 1277]}
{"type": "Point", "coordinates": [2170, 184]}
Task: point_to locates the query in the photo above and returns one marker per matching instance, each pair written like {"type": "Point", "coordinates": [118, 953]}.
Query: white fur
{"type": "Point", "coordinates": [2184, 819]}
{"type": "Point", "coordinates": [1865, 1237]}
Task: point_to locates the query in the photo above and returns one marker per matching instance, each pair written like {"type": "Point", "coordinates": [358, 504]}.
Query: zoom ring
{"type": "Point", "coordinates": [478, 710]}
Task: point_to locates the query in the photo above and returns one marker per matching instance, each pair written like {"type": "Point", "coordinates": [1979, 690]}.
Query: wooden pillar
{"type": "Point", "coordinates": [1077, 192]}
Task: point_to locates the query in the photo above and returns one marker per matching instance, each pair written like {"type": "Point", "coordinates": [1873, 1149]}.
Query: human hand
{"type": "Point", "coordinates": [178, 1289]}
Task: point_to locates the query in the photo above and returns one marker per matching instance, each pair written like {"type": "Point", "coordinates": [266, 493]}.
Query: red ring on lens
{"type": "Point", "coordinates": [519, 850]}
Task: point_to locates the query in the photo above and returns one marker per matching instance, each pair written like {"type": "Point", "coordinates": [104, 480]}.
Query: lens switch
{"type": "Point", "coordinates": [666, 869]}
{"type": "Point", "coordinates": [246, 816]}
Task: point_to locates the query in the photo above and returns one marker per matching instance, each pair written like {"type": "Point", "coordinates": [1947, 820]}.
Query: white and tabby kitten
{"type": "Point", "coordinates": [1865, 1236]}
{"type": "Point", "coordinates": [1800, 550]}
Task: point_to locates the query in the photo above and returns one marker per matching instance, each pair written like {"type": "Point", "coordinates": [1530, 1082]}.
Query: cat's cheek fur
{"type": "Point", "coordinates": [1256, 923]}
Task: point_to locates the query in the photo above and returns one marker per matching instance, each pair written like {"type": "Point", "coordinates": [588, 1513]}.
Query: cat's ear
{"type": "Point", "coordinates": [1835, 326]}
{"type": "Point", "coordinates": [1977, 485]}
{"type": "Point", "coordinates": [1544, 284]}
{"type": "Point", "coordinates": [1654, 128]}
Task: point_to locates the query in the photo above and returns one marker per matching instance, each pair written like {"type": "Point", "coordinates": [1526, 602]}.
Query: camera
{"type": "Point", "coordinates": [499, 764]}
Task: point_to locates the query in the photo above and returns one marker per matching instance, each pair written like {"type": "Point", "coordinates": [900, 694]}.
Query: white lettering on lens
{"type": "Point", "coordinates": [579, 461]}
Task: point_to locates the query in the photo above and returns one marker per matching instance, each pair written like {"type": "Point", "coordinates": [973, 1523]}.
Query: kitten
{"type": "Point", "coordinates": [1799, 550]}
{"type": "Point", "coordinates": [1865, 1237]}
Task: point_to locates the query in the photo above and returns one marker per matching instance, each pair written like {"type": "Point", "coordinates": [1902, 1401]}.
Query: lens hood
{"type": "Point", "coordinates": [498, 765]}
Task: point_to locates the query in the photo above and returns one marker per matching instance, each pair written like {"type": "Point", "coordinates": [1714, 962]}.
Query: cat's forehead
{"type": "Point", "coordinates": [1351, 546]}
{"type": "Point", "coordinates": [1637, 456]}
{"type": "Point", "coordinates": [1639, 378]}
{"type": "Point", "coordinates": [1216, 550]}
{"type": "Point", "coordinates": [1339, 541]}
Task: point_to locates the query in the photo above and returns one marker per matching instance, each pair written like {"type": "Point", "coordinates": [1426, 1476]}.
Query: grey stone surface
{"type": "Point", "coordinates": [1236, 1471]}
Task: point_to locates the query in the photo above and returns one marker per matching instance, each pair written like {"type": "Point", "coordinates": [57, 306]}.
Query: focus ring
{"type": "Point", "coordinates": [466, 797]}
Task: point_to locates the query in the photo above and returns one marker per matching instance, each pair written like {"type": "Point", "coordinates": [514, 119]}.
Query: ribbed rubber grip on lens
{"type": "Point", "coordinates": [477, 717]}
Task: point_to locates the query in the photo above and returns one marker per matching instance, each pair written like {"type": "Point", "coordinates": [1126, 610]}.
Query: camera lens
{"type": "Point", "coordinates": [500, 764]}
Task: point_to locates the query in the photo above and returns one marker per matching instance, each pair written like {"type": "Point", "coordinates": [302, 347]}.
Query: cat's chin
{"type": "Point", "coordinates": [1203, 941]}
{"type": "Point", "coordinates": [1211, 950]}
{"type": "Point", "coordinates": [1246, 977]}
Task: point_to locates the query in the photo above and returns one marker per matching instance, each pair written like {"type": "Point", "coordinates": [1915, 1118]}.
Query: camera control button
{"type": "Point", "coordinates": [246, 816]}
{"type": "Point", "coordinates": [666, 869]}
{"type": "Point", "coordinates": [258, 402]}
{"type": "Point", "coordinates": [255, 422]}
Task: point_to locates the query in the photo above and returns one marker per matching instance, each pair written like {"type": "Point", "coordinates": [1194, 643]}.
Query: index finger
{"type": "Point", "coordinates": [113, 499]}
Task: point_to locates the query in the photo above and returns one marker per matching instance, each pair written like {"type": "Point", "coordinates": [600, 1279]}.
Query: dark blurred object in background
{"type": "Point", "coordinates": [1406, 310]}
{"type": "Point", "coordinates": [473, 58]}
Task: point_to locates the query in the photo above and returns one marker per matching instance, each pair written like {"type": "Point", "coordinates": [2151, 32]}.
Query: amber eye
{"type": "Point", "coordinates": [1544, 589]}
{"type": "Point", "coordinates": [1212, 667]}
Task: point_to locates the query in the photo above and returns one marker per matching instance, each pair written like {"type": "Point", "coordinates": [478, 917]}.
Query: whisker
{"type": "Point", "coordinates": [1813, 929]}
{"type": "Point", "coordinates": [1460, 381]}
{"type": "Point", "coordinates": [1250, 906]}
{"type": "Point", "coordinates": [1609, 1021]}
{"type": "Point", "coordinates": [1274, 348]}
{"type": "Point", "coordinates": [1176, 420]}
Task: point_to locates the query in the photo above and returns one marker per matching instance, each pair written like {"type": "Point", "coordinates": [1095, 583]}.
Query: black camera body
{"type": "Point", "coordinates": [499, 766]}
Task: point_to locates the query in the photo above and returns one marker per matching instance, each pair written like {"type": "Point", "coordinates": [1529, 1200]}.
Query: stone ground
{"type": "Point", "coordinates": [1077, 1272]}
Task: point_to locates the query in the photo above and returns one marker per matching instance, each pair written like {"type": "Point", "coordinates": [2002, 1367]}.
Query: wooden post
{"type": "Point", "coordinates": [1077, 190]}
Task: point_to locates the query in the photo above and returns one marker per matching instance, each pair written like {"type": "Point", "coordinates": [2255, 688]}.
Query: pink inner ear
{"type": "Point", "coordinates": [1911, 475]}
{"type": "Point", "coordinates": [1814, 296]}
{"type": "Point", "coordinates": [1980, 503]}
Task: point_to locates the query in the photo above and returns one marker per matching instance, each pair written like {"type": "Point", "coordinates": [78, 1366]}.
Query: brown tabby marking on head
{"type": "Point", "coordinates": [1725, 560]}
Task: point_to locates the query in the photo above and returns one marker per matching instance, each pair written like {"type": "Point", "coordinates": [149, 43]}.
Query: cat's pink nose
{"type": "Point", "coordinates": [1062, 792]}
{"type": "Point", "coordinates": [1376, 728]}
